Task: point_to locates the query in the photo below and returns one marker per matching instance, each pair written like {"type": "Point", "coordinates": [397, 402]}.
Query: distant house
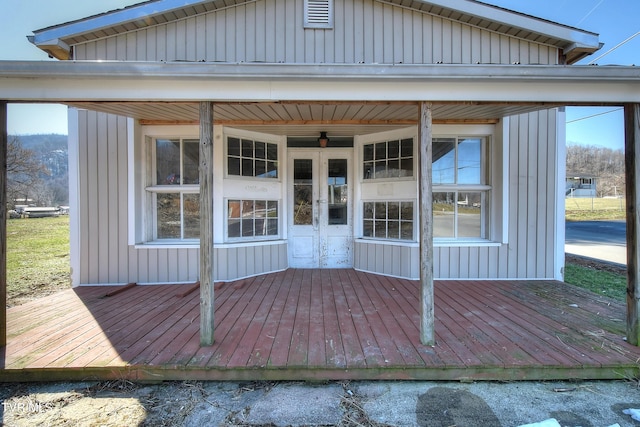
{"type": "Point", "coordinates": [580, 185]}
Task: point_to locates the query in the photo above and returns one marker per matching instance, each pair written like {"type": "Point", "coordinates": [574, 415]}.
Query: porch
{"type": "Point", "coordinates": [309, 324]}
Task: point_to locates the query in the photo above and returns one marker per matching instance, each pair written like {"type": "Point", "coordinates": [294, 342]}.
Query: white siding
{"type": "Point", "coordinates": [529, 251]}
{"type": "Point", "coordinates": [104, 253]}
{"type": "Point", "coordinates": [365, 31]}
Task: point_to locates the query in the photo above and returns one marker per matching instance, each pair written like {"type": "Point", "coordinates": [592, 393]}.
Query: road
{"type": "Point", "coordinates": [604, 240]}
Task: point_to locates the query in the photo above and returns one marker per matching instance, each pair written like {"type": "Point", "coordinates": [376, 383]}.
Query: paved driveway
{"type": "Point", "coordinates": [605, 240]}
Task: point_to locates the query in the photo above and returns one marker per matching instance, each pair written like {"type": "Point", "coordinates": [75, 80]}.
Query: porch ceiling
{"type": "Point", "coordinates": [304, 118]}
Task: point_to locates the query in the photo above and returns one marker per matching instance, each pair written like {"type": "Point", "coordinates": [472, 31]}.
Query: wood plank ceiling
{"type": "Point", "coordinates": [304, 118]}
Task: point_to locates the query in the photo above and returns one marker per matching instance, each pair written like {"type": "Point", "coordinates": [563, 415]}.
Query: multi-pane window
{"type": "Point", "coordinates": [257, 159]}
{"type": "Point", "coordinates": [388, 159]}
{"type": "Point", "coordinates": [252, 218]}
{"type": "Point", "coordinates": [388, 220]}
{"type": "Point", "coordinates": [174, 190]}
{"type": "Point", "coordinates": [460, 188]}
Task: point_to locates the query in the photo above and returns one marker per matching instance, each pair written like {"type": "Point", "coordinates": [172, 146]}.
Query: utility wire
{"type": "Point", "coordinates": [615, 47]}
{"type": "Point", "coordinates": [590, 12]}
{"type": "Point", "coordinates": [594, 115]}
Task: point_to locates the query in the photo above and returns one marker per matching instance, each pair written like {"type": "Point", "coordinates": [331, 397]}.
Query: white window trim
{"type": "Point", "coordinates": [140, 220]}
{"type": "Point", "coordinates": [496, 153]}
{"type": "Point", "coordinates": [254, 136]}
{"type": "Point", "coordinates": [247, 239]}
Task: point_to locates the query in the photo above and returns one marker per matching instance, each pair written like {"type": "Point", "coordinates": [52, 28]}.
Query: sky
{"type": "Point", "coordinates": [614, 20]}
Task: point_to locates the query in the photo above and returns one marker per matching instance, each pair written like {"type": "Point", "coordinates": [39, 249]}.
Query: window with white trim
{"type": "Point", "coordinates": [251, 158]}
{"type": "Point", "coordinates": [388, 220]}
{"type": "Point", "coordinates": [173, 190]}
{"type": "Point", "coordinates": [388, 159]}
{"type": "Point", "coordinates": [461, 191]}
{"type": "Point", "coordinates": [252, 219]}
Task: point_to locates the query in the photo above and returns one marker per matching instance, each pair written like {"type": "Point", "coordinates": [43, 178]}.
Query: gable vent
{"type": "Point", "coordinates": [318, 13]}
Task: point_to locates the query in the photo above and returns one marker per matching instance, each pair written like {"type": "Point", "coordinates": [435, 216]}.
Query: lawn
{"type": "Point", "coordinates": [37, 257]}
{"type": "Point", "coordinates": [581, 209]}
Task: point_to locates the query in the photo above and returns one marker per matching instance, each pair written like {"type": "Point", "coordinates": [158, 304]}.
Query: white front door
{"type": "Point", "coordinates": [320, 208]}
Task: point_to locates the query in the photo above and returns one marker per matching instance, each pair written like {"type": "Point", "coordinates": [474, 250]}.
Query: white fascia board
{"type": "Point", "coordinates": [109, 19]}
{"type": "Point", "coordinates": [141, 81]}
{"type": "Point", "coordinates": [492, 13]}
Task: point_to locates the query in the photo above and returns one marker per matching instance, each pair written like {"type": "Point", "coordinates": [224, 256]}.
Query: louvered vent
{"type": "Point", "coordinates": [318, 13]}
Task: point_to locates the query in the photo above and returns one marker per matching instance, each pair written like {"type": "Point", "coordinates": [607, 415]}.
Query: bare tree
{"type": "Point", "coordinates": [24, 172]}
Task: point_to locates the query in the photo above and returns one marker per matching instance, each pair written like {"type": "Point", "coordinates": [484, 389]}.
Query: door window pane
{"type": "Point", "coordinates": [302, 192]}
{"type": "Point", "coordinates": [338, 191]}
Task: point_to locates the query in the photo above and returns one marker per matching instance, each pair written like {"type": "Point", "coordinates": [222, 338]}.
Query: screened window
{"type": "Point", "coordinates": [388, 220]}
{"type": "Point", "coordinates": [461, 191]}
{"type": "Point", "coordinates": [252, 218]}
{"type": "Point", "coordinates": [257, 159]}
{"type": "Point", "coordinates": [174, 190]}
{"type": "Point", "coordinates": [388, 159]}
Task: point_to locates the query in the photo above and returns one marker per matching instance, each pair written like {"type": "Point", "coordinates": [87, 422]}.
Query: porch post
{"type": "Point", "coordinates": [206, 224]}
{"type": "Point", "coordinates": [3, 222]}
{"type": "Point", "coordinates": [425, 200]}
{"type": "Point", "coordinates": [632, 184]}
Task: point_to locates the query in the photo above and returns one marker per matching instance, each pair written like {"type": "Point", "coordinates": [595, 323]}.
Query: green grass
{"type": "Point", "coordinates": [37, 257]}
{"type": "Point", "coordinates": [578, 209]}
{"type": "Point", "coordinates": [601, 282]}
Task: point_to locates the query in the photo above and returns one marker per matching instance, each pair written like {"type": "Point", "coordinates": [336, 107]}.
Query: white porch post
{"type": "Point", "coordinates": [3, 222]}
{"type": "Point", "coordinates": [632, 184]}
{"type": "Point", "coordinates": [206, 225]}
{"type": "Point", "coordinates": [425, 201]}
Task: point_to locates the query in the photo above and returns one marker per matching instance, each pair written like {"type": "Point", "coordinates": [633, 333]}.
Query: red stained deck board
{"type": "Point", "coordinates": [299, 346]}
{"type": "Point", "coordinates": [507, 348]}
{"type": "Point", "coordinates": [282, 339]}
{"type": "Point", "coordinates": [266, 291]}
{"type": "Point", "coordinates": [391, 356]}
{"type": "Point", "coordinates": [104, 343]}
{"type": "Point", "coordinates": [399, 350]}
{"type": "Point", "coordinates": [393, 312]}
{"type": "Point", "coordinates": [353, 353]}
{"type": "Point", "coordinates": [541, 340]}
{"type": "Point", "coordinates": [267, 335]}
{"type": "Point", "coordinates": [539, 311]}
{"type": "Point", "coordinates": [517, 330]}
{"type": "Point", "coordinates": [338, 322]}
{"type": "Point", "coordinates": [317, 355]}
{"type": "Point", "coordinates": [334, 349]}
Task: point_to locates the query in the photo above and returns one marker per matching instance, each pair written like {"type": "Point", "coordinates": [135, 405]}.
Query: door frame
{"type": "Point", "coordinates": [320, 232]}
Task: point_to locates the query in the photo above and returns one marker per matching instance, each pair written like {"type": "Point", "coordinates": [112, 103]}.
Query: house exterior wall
{"type": "Point", "coordinates": [271, 31]}
{"type": "Point", "coordinates": [525, 249]}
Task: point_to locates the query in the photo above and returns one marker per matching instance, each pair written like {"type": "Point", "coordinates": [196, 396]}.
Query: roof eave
{"type": "Point", "coordinates": [55, 48]}
{"type": "Point", "coordinates": [136, 12]}
{"type": "Point", "coordinates": [572, 37]}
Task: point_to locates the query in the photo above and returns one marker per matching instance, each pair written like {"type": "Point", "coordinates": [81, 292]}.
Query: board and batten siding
{"type": "Point", "coordinates": [104, 255]}
{"type": "Point", "coordinates": [532, 196]}
{"type": "Point", "coordinates": [529, 253]}
{"type": "Point", "coordinates": [272, 31]}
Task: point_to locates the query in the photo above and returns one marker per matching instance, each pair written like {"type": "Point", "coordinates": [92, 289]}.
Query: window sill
{"type": "Point", "coordinates": [409, 243]}
{"type": "Point", "coordinates": [196, 245]}
{"type": "Point", "coordinates": [445, 243]}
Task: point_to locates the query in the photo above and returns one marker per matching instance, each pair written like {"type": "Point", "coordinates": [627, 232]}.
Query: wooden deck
{"type": "Point", "coordinates": [317, 325]}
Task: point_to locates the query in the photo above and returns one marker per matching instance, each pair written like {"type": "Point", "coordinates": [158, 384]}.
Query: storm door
{"type": "Point", "coordinates": [320, 208]}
